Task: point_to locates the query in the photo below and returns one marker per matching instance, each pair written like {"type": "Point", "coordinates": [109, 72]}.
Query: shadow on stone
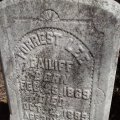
{"type": "Point", "coordinates": [115, 106]}
{"type": "Point", "coordinates": [4, 111]}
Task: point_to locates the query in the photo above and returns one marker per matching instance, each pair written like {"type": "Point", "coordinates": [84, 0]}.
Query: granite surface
{"type": "Point", "coordinates": [59, 57]}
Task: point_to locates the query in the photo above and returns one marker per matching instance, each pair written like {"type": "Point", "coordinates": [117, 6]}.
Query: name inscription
{"type": "Point", "coordinates": [51, 64]}
{"type": "Point", "coordinates": [40, 38]}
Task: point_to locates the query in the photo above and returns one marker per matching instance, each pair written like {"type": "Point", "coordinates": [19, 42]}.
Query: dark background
{"type": "Point", "coordinates": [115, 107]}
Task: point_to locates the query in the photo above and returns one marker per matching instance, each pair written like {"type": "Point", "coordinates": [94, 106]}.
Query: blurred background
{"type": "Point", "coordinates": [115, 107]}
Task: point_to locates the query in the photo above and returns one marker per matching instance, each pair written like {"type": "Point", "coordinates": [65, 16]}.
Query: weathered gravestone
{"type": "Point", "coordinates": [59, 57]}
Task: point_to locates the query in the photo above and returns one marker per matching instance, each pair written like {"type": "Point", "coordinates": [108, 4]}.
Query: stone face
{"type": "Point", "coordinates": [59, 57]}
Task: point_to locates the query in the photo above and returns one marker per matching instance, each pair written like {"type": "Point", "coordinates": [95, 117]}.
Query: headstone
{"type": "Point", "coordinates": [59, 57]}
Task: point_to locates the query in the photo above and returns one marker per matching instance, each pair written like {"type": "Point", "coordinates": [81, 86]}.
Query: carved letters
{"type": "Point", "coordinates": [55, 83]}
{"type": "Point", "coordinates": [36, 39]}
{"type": "Point", "coordinates": [50, 64]}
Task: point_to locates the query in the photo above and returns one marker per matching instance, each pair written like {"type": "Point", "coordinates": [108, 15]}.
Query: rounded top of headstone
{"type": "Point", "coordinates": [108, 5]}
